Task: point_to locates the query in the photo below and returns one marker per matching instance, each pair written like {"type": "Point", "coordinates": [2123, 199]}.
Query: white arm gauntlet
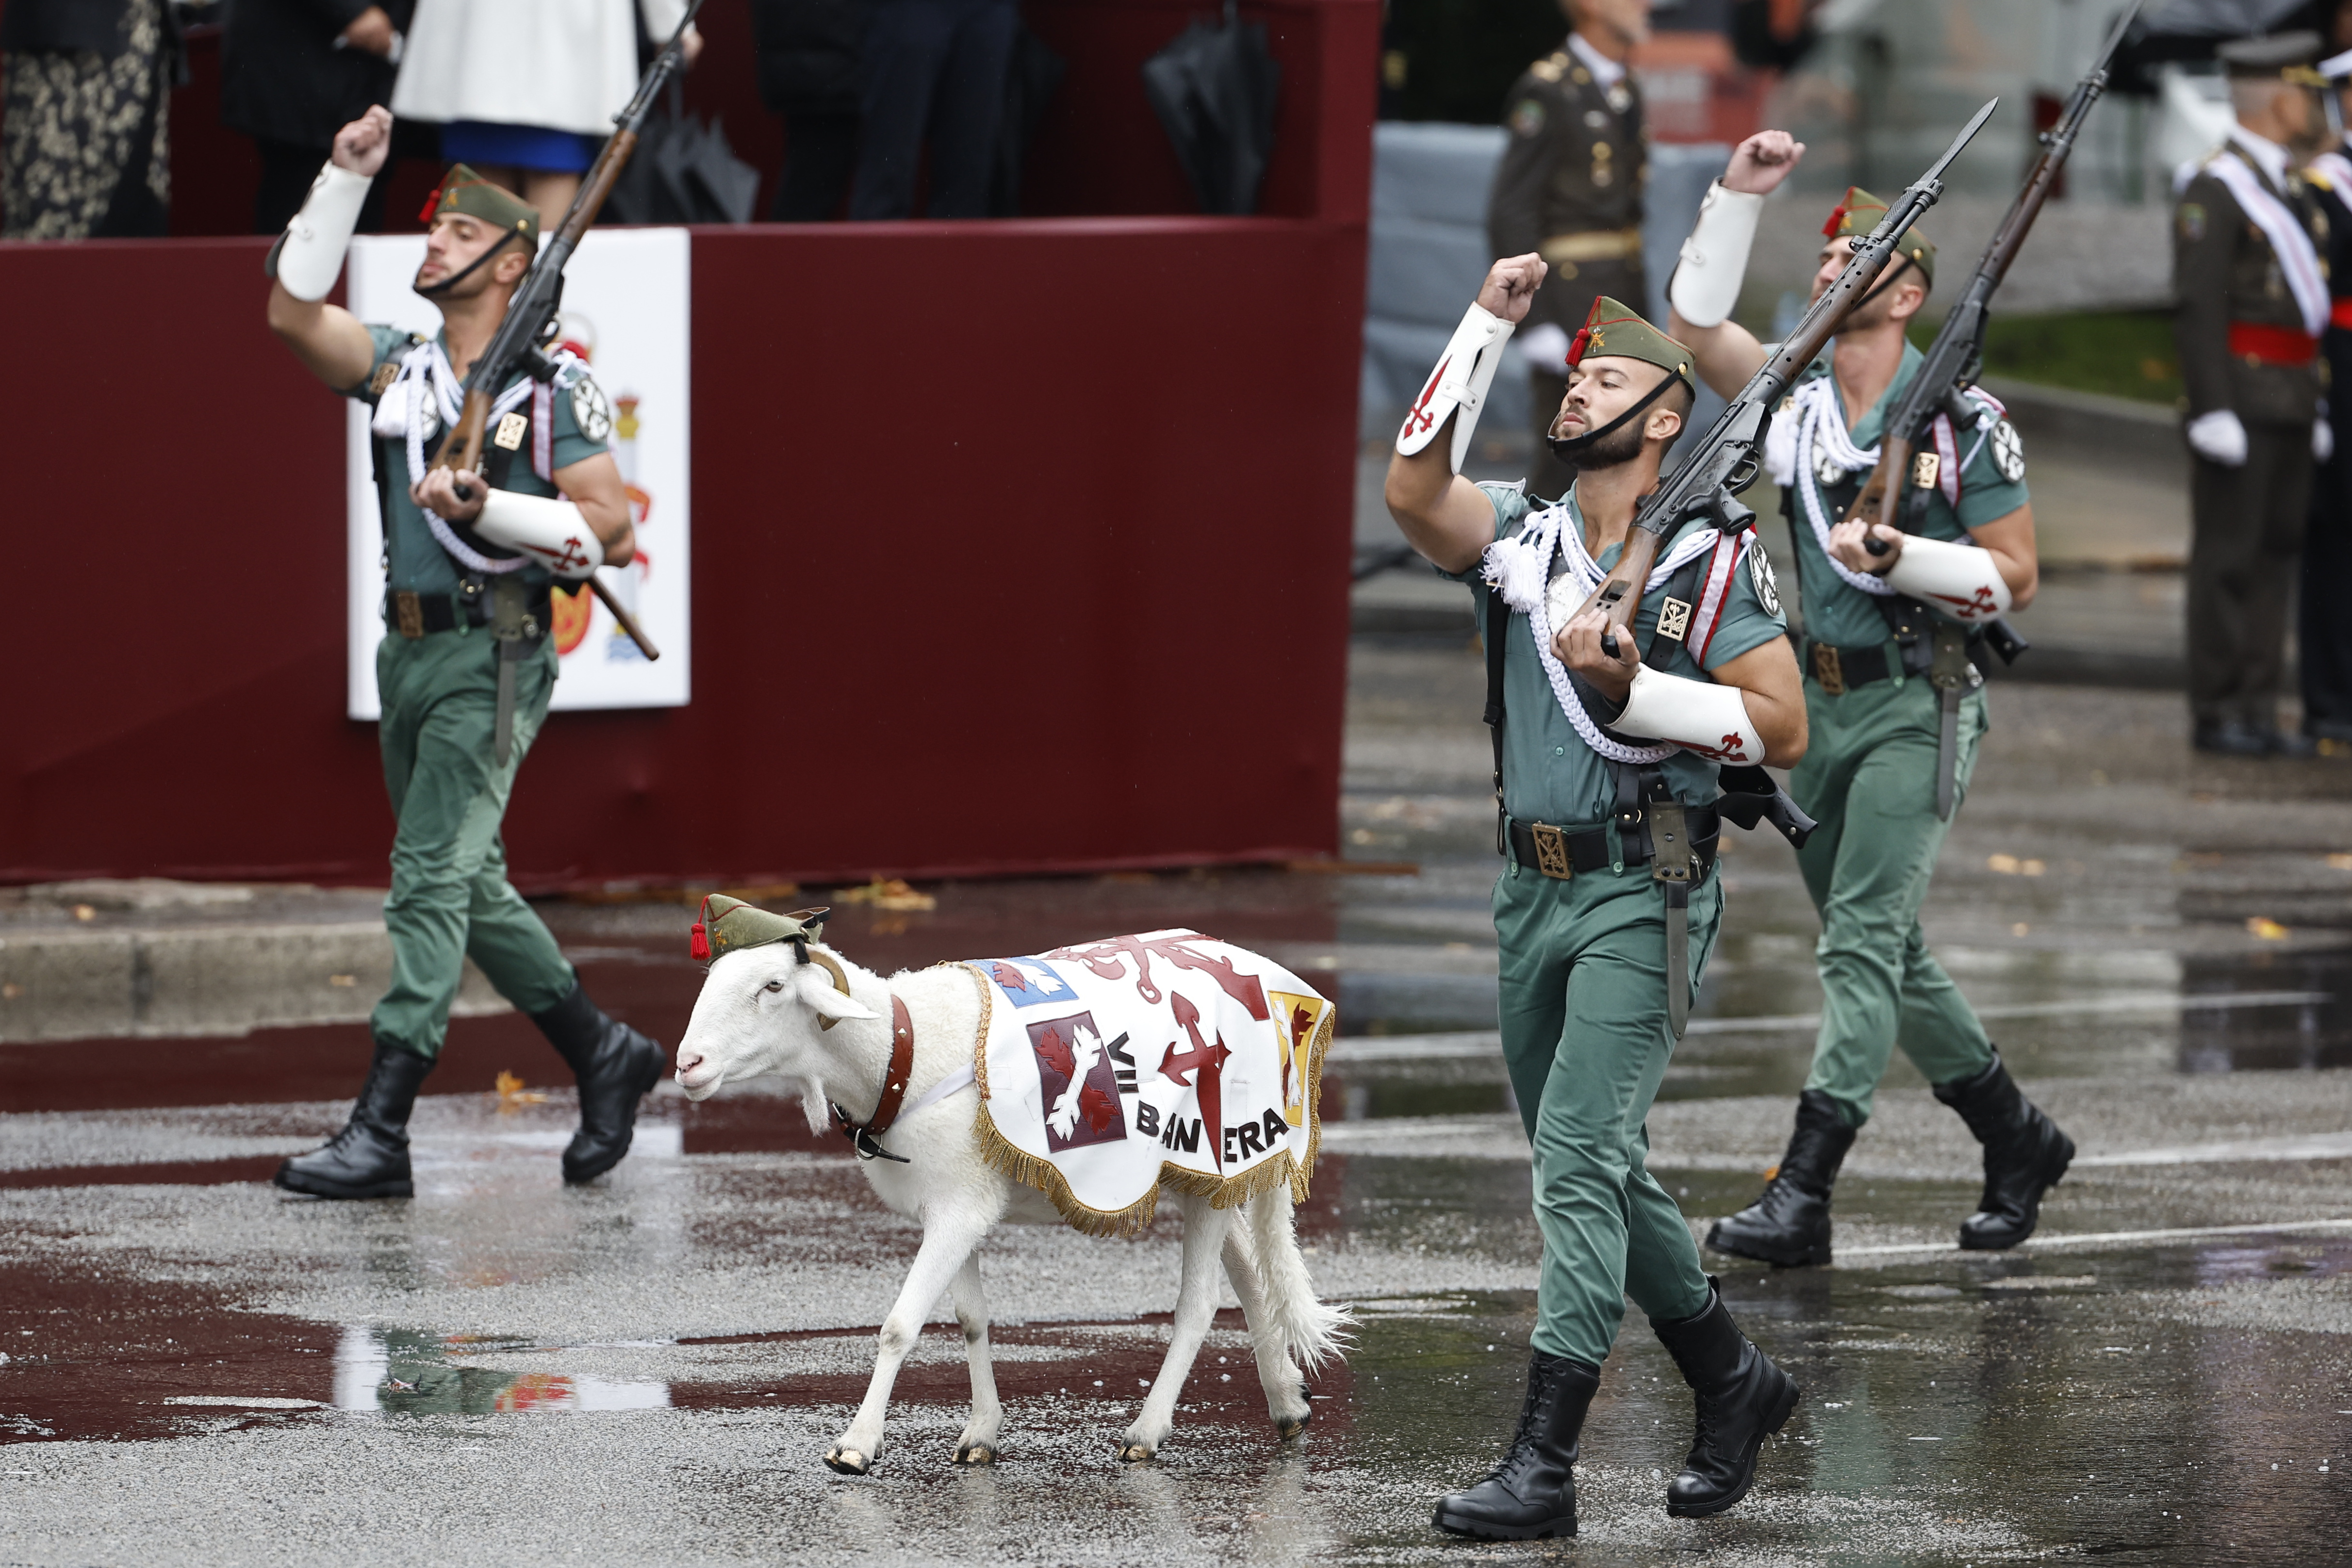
{"type": "Point", "coordinates": [545, 528]}
{"type": "Point", "coordinates": [309, 256]}
{"type": "Point", "coordinates": [1458, 386]}
{"type": "Point", "coordinates": [1698, 715]}
{"type": "Point", "coordinates": [1706, 286]}
{"type": "Point", "coordinates": [1959, 582]}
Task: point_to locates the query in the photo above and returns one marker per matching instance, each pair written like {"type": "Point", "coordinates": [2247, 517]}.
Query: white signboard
{"type": "Point", "coordinates": [625, 307]}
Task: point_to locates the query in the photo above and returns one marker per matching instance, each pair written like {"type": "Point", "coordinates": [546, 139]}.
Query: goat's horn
{"type": "Point", "coordinates": [830, 966]}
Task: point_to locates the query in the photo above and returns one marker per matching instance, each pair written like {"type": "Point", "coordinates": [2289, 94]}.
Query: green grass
{"type": "Point", "coordinates": [2122, 353]}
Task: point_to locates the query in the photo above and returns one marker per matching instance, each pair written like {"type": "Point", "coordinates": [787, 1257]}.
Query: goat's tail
{"type": "Point", "coordinates": [1313, 1330]}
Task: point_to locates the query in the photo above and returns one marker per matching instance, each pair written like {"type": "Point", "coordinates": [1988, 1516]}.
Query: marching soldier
{"type": "Point", "coordinates": [466, 667]}
{"type": "Point", "coordinates": [1570, 189]}
{"type": "Point", "coordinates": [1892, 692]}
{"type": "Point", "coordinates": [2324, 633]}
{"type": "Point", "coordinates": [2250, 272]}
{"type": "Point", "coordinates": [1607, 908]}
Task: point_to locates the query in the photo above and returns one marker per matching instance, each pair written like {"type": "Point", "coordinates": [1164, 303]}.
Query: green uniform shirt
{"type": "Point", "coordinates": [412, 559]}
{"type": "Point", "coordinates": [1846, 616]}
{"type": "Point", "coordinates": [1549, 775]}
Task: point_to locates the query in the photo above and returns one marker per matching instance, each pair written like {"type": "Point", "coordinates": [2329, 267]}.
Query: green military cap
{"type": "Point", "coordinates": [2286, 57]}
{"type": "Point", "coordinates": [728, 924]}
{"type": "Point", "coordinates": [1610, 329]}
{"type": "Point", "coordinates": [463, 191]}
{"type": "Point", "coordinates": [1861, 212]}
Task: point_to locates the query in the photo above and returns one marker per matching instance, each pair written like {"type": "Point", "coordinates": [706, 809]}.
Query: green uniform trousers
{"type": "Point", "coordinates": [450, 899]}
{"type": "Point", "coordinates": [1583, 998]}
{"type": "Point", "coordinates": [1869, 779]}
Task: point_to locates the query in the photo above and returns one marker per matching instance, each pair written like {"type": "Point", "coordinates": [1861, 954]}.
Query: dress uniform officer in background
{"type": "Point", "coordinates": [1570, 189]}
{"type": "Point", "coordinates": [2249, 249]}
{"type": "Point", "coordinates": [1606, 772]}
{"type": "Point", "coordinates": [1895, 707]}
{"type": "Point", "coordinates": [466, 667]}
{"type": "Point", "coordinates": [2324, 630]}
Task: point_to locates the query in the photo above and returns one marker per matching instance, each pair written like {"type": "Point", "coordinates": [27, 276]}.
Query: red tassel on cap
{"type": "Point", "coordinates": [700, 946]}
{"type": "Point", "coordinates": [431, 202]}
{"type": "Point", "coordinates": [1576, 344]}
{"type": "Point", "coordinates": [1830, 229]}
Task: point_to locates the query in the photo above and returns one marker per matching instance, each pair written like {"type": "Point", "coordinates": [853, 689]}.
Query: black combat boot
{"type": "Point", "coordinates": [614, 1066]}
{"type": "Point", "coordinates": [1532, 1492]}
{"type": "Point", "coordinates": [1789, 1225]}
{"type": "Point", "coordinates": [369, 1158]}
{"type": "Point", "coordinates": [1742, 1399]}
{"type": "Point", "coordinates": [2024, 1156]}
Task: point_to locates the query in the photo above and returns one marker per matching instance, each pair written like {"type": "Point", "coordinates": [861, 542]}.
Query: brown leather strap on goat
{"type": "Point", "coordinates": [894, 1092]}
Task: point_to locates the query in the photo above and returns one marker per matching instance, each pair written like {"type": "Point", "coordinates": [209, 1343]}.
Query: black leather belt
{"type": "Point", "coordinates": [1560, 852]}
{"type": "Point", "coordinates": [442, 612]}
{"type": "Point", "coordinates": [1839, 670]}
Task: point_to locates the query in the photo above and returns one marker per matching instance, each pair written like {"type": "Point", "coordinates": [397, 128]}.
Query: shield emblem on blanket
{"type": "Point", "coordinates": [1078, 1082]}
{"type": "Point", "coordinates": [1027, 982]}
{"type": "Point", "coordinates": [1300, 1016]}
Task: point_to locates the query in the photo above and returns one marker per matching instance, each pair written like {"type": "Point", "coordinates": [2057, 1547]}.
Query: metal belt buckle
{"type": "Point", "coordinates": [407, 613]}
{"type": "Point", "coordinates": [1829, 669]}
{"type": "Point", "coordinates": [1551, 851]}
{"type": "Point", "coordinates": [1670, 845]}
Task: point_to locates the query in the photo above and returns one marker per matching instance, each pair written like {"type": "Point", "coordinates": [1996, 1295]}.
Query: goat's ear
{"type": "Point", "coordinates": [816, 990]}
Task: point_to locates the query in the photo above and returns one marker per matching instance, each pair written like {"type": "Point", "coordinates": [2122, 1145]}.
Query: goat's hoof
{"type": "Point", "coordinates": [975, 1453]}
{"type": "Point", "coordinates": [1134, 1453]}
{"type": "Point", "coordinates": [848, 1462]}
{"type": "Point", "coordinates": [1290, 1427]}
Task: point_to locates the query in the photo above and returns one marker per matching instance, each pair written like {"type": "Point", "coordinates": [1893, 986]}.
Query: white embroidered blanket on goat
{"type": "Point", "coordinates": [1110, 1067]}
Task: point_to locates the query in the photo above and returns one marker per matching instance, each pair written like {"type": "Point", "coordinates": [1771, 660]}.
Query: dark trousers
{"type": "Point", "coordinates": [820, 154]}
{"type": "Point", "coordinates": [935, 71]}
{"type": "Point", "coordinates": [287, 169]}
{"type": "Point", "coordinates": [2324, 639]}
{"type": "Point", "coordinates": [2248, 526]}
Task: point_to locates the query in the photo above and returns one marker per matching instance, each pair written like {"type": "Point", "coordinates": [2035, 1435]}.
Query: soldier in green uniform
{"type": "Point", "coordinates": [1569, 188]}
{"type": "Point", "coordinates": [465, 669]}
{"type": "Point", "coordinates": [1896, 709]}
{"type": "Point", "coordinates": [2249, 250]}
{"type": "Point", "coordinates": [1606, 777]}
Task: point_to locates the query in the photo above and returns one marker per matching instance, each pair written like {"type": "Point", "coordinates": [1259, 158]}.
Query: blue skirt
{"type": "Point", "coordinates": [518, 146]}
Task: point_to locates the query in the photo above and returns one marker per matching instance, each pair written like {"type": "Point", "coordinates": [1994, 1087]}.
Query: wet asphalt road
{"type": "Point", "coordinates": [200, 1370]}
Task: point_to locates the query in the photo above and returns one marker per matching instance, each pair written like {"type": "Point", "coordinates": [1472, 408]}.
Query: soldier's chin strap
{"type": "Point", "coordinates": [436, 290]}
{"type": "Point", "coordinates": [1569, 448]}
{"type": "Point", "coordinates": [1894, 276]}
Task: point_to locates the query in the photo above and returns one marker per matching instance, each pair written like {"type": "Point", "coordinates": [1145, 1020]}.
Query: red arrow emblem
{"type": "Point", "coordinates": [1209, 1085]}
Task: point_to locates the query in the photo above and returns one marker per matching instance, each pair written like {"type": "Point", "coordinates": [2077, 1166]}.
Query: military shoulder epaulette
{"type": "Point", "coordinates": [1548, 69]}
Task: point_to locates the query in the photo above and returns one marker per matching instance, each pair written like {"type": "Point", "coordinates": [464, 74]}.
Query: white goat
{"type": "Point", "coordinates": [763, 1010]}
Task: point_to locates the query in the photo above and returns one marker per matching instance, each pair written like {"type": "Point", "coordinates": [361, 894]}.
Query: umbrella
{"type": "Point", "coordinates": [2185, 31]}
{"type": "Point", "coordinates": [1214, 90]}
{"type": "Point", "coordinates": [683, 172]}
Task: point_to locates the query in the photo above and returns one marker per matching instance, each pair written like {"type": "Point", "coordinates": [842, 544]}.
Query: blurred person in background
{"type": "Point", "coordinates": [1569, 188]}
{"type": "Point", "coordinates": [293, 72]}
{"type": "Point", "coordinates": [2247, 269]}
{"type": "Point", "coordinates": [2324, 630]}
{"type": "Point", "coordinates": [809, 73]}
{"type": "Point", "coordinates": [85, 142]}
{"type": "Point", "coordinates": [525, 90]}
{"type": "Point", "coordinates": [934, 70]}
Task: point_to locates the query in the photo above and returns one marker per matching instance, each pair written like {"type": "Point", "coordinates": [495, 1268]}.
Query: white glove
{"type": "Point", "coordinates": [1545, 348]}
{"type": "Point", "coordinates": [546, 527]}
{"type": "Point", "coordinates": [308, 256]}
{"type": "Point", "coordinates": [2217, 437]}
{"type": "Point", "coordinates": [2323, 439]}
{"type": "Point", "coordinates": [1706, 286]}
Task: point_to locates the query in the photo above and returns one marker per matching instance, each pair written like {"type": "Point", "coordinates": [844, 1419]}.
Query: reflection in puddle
{"type": "Point", "coordinates": [2314, 1032]}
{"type": "Point", "coordinates": [400, 1373]}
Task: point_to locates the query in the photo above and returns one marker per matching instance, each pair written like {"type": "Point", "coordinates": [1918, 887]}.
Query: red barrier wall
{"type": "Point", "coordinates": [1020, 547]}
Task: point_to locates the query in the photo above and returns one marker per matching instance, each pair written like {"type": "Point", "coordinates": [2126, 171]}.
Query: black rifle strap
{"type": "Point", "coordinates": [1497, 627]}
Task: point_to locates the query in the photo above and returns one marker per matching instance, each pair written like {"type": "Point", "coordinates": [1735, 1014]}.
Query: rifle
{"type": "Point", "coordinates": [520, 341]}
{"type": "Point", "coordinates": [1725, 460]}
{"type": "Point", "coordinates": [1957, 355]}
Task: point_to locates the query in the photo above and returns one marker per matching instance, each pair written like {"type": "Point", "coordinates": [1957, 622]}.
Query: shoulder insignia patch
{"type": "Point", "coordinates": [2191, 221]}
{"type": "Point", "coordinates": [1526, 117]}
{"type": "Point", "coordinates": [2008, 450]}
{"type": "Point", "coordinates": [1759, 574]}
{"type": "Point", "coordinates": [590, 411]}
{"type": "Point", "coordinates": [386, 375]}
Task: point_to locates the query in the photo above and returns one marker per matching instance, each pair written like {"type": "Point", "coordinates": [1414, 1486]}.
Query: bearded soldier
{"type": "Point", "coordinates": [1569, 188]}
{"type": "Point", "coordinates": [1893, 692]}
{"type": "Point", "coordinates": [1606, 781]}
{"type": "Point", "coordinates": [465, 668]}
{"type": "Point", "coordinates": [2252, 280]}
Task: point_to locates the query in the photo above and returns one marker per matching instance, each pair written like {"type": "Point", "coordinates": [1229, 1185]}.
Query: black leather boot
{"type": "Point", "coordinates": [1532, 1493]}
{"type": "Point", "coordinates": [614, 1066]}
{"type": "Point", "coordinates": [2024, 1156]}
{"type": "Point", "coordinates": [1789, 1225]}
{"type": "Point", "coordinates": [1742, 1399]}
{"type": "Point", "coordinates": [369, 1158]}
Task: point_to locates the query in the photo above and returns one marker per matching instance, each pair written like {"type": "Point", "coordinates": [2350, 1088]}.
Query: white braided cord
{"type": "Point", "coordinates": [426, 371]}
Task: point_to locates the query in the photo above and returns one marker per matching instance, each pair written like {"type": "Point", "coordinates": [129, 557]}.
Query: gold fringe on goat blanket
{"type": "Point", "coordinates": [1184, 985]}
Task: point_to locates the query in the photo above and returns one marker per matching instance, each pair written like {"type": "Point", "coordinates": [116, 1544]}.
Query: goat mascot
{"type": "Point", "coordinates": [1072, 1086]}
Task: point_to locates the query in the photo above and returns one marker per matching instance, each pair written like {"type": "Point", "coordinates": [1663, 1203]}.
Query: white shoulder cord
{"type": "Point", "coordinates": [1517, 567]}
{"type": "Point", "coordinates": [426, 370]}
{"type": "Point", "coordinates": [1819, 421]}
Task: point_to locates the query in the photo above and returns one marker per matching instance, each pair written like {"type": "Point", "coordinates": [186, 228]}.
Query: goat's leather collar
{"type": "Point", "coordinates": [893, 1090]}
